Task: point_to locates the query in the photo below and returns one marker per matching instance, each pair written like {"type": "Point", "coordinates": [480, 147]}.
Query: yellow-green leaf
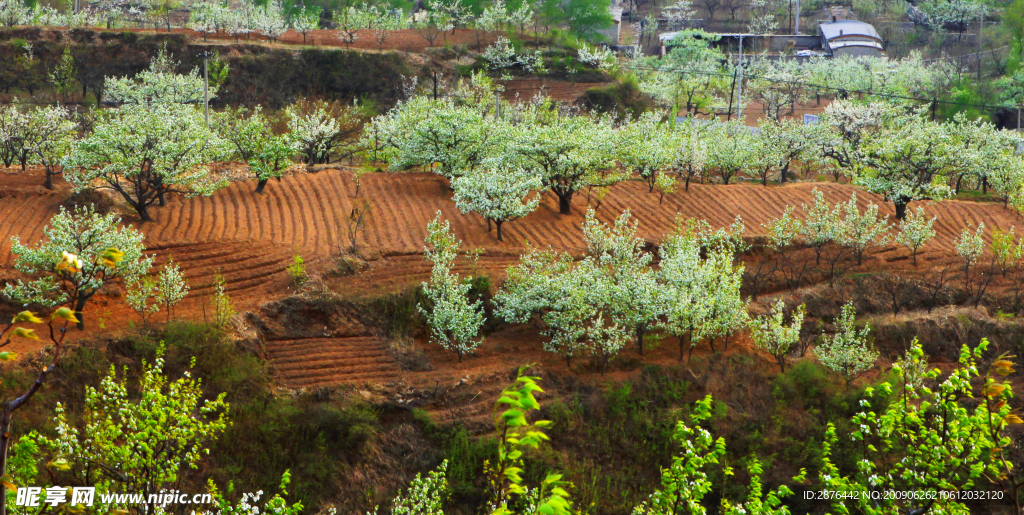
{"type": "Point", "coordinates": [8, 356]}
{"type": "Point", "coordinates": [8, 481]}
{"type": "Point", "coordinates": [66, 314]}
{"type": "Point", "coordinates": [22, 332]}
{"type": "Point", "coordinates": [26, 316]}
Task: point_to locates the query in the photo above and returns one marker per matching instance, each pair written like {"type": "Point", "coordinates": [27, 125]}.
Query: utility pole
{"type": "Point", "coordinates": [206, 88]}
{"type": "Point", "coordinates": [739, 93]}
{"type": "Point", "coordinates": [796, 27]}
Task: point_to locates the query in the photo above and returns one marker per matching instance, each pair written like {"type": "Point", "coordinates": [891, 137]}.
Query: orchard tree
{"type": "Point", "coordinates": [438, 134]}
{"type": "Point", "coordinates": [305, 21]}
{"type": "Point", "coordinates": [636, 299]}
{"type": "Point", "coordinates": [863, 230]}
{"type": "Point", "coordinates": [566, 151]}
{"type": "Point", "coordinates": [790, 140]}
{"type": "Point", "coordinates": [909, 160]}
{"type": "Point", "coordinates": [822, 225]}
{"type": "Point", "coordinates": [135, 445]}
{"type": "Point", "coordinates": [499, 196]}
{"type": "Point", "coordinates": [691, 152]}
{"type": "Point", "coordinates": [147, 294]}
{"type": "Point", "coordinates": [49, 135]}
{"type": "Point", "coordinates": [453, 318]}
{"type": "Point", "coordinates": [252, 140]}
{"type": "Point", "coordinates": [322, 130]}
{"type": "Point", "coordinates": [848, 350]}
{"type": "Point", "coordinates": [159, 84]}
{"type": "Point", "coordinates": [688, 76]}
{"type": "Point", "coordinates": [102, 253]}
{"type": "Point", "coordinates": [144, 152]}
{"type": "Point", "coordinates": [13, 134]}
{"type": "Point", "coordinates": [645, 147]}
{"type": "Point", "coordinates": [771, 333]}
{"type": "Point", "coordinates": [916, 230]}
{"type": "Point", "coordinates": [730, 150]}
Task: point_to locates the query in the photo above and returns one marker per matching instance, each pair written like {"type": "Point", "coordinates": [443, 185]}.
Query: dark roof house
{"type": "Point", "coordinates": [850, 37]}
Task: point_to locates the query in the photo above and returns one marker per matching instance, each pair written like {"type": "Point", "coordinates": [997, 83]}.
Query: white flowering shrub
{"type": "Point", "coordinates": [915, 231]}
{"type": "Point", "coordinates": [848, 350]}
{"type": "Point", "coordinates": [598, 57]}
{"type": "Point", "coordinates": [500, 54]}
{"type": "Point", "coordinates": [103, 252]}
{"type": "Point", "coordinates": [425, 495]}
{"type": "Point", "coordinates": [454, 320]}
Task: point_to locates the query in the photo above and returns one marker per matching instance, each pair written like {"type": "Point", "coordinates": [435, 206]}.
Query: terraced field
{"type": "Point", "coordinates": [251, 239]}
{"type": "Point", "coordinates": [311, 362]}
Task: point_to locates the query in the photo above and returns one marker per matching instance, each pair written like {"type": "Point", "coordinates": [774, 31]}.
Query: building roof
{"type": "Point", "coordinates": [844, 28]}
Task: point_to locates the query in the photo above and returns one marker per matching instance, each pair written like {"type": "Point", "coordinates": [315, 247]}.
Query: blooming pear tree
{"type": "Point", "coordinates": [498, 196]}
{"type": "Point", "coordinates": [863, 230]}
{"type": "Point", "coordinates": [691, 153]}
{"type": "Point", "coordinates": [908, 160]}
{"type": "Point", "coordinates": [915, 231]}
{"type": "Point", "coordinates": [82, 252]}
{"type": "Point", "coordinates": [645, 147]}
{"type": "Point", "coordinates": [48, 135]}
{"type": "Point", "coordinates": [144, 152]}
{"type": "Point", "coordinates": [636, 298]}
{"type": "Point", "coordinates": [453, 139]}
{"type": "Point", "coordinates": [454, 320]}
{"type": "Point", "coordinates": [823, 224]}
{"type": "Point", "coordinates": [321, 130]}
{"type": "Point", "coordinates": [251, 139]}
{"type": "Point", "coordinates": [147, 294]}
{"type": "Point", "coordinates": [305, 21]}
{"type": "Point", "coordinates": [848, 350]}
{"type": "Point", "coordinates": [567, 152]}
{"type": "Point", "coordinates": [158, 84]}
{"type": "Point", "coordinates": [772, 335]}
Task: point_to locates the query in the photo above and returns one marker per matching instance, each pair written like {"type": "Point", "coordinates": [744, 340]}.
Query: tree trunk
{"type": "Point", "coordinates": [565, 203]}
{"type": "Point", "coordinates": [260, 185]}
{"type": "Point", "coordinates": [497, 224]}
{"type": "Point", "coordinates": [48, 183]}
{"type": "Point", "coordinates": [143, 212]}
{"type": "Point", "coordinates": [640, 338]}
{"type": "Point", "coordinates": [79, 306]}
{"type": "Point", "coordinates": [901, 207]}
{"type": "Point", "coordinates": [161, 199]}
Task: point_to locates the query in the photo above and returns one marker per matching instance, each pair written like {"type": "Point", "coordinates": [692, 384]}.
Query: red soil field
{"type": "Point", "coordinates": [250, 239]}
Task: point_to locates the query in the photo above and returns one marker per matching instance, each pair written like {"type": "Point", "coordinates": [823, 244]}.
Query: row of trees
{"type": "Point", "coordinates": [271, 19]}
{"type": "Point", "coordinates": [157, 142]}
{"type": "Point", "coordinates": [596, 305]}
{"type": "Point", "coordinates": [495, 162]}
